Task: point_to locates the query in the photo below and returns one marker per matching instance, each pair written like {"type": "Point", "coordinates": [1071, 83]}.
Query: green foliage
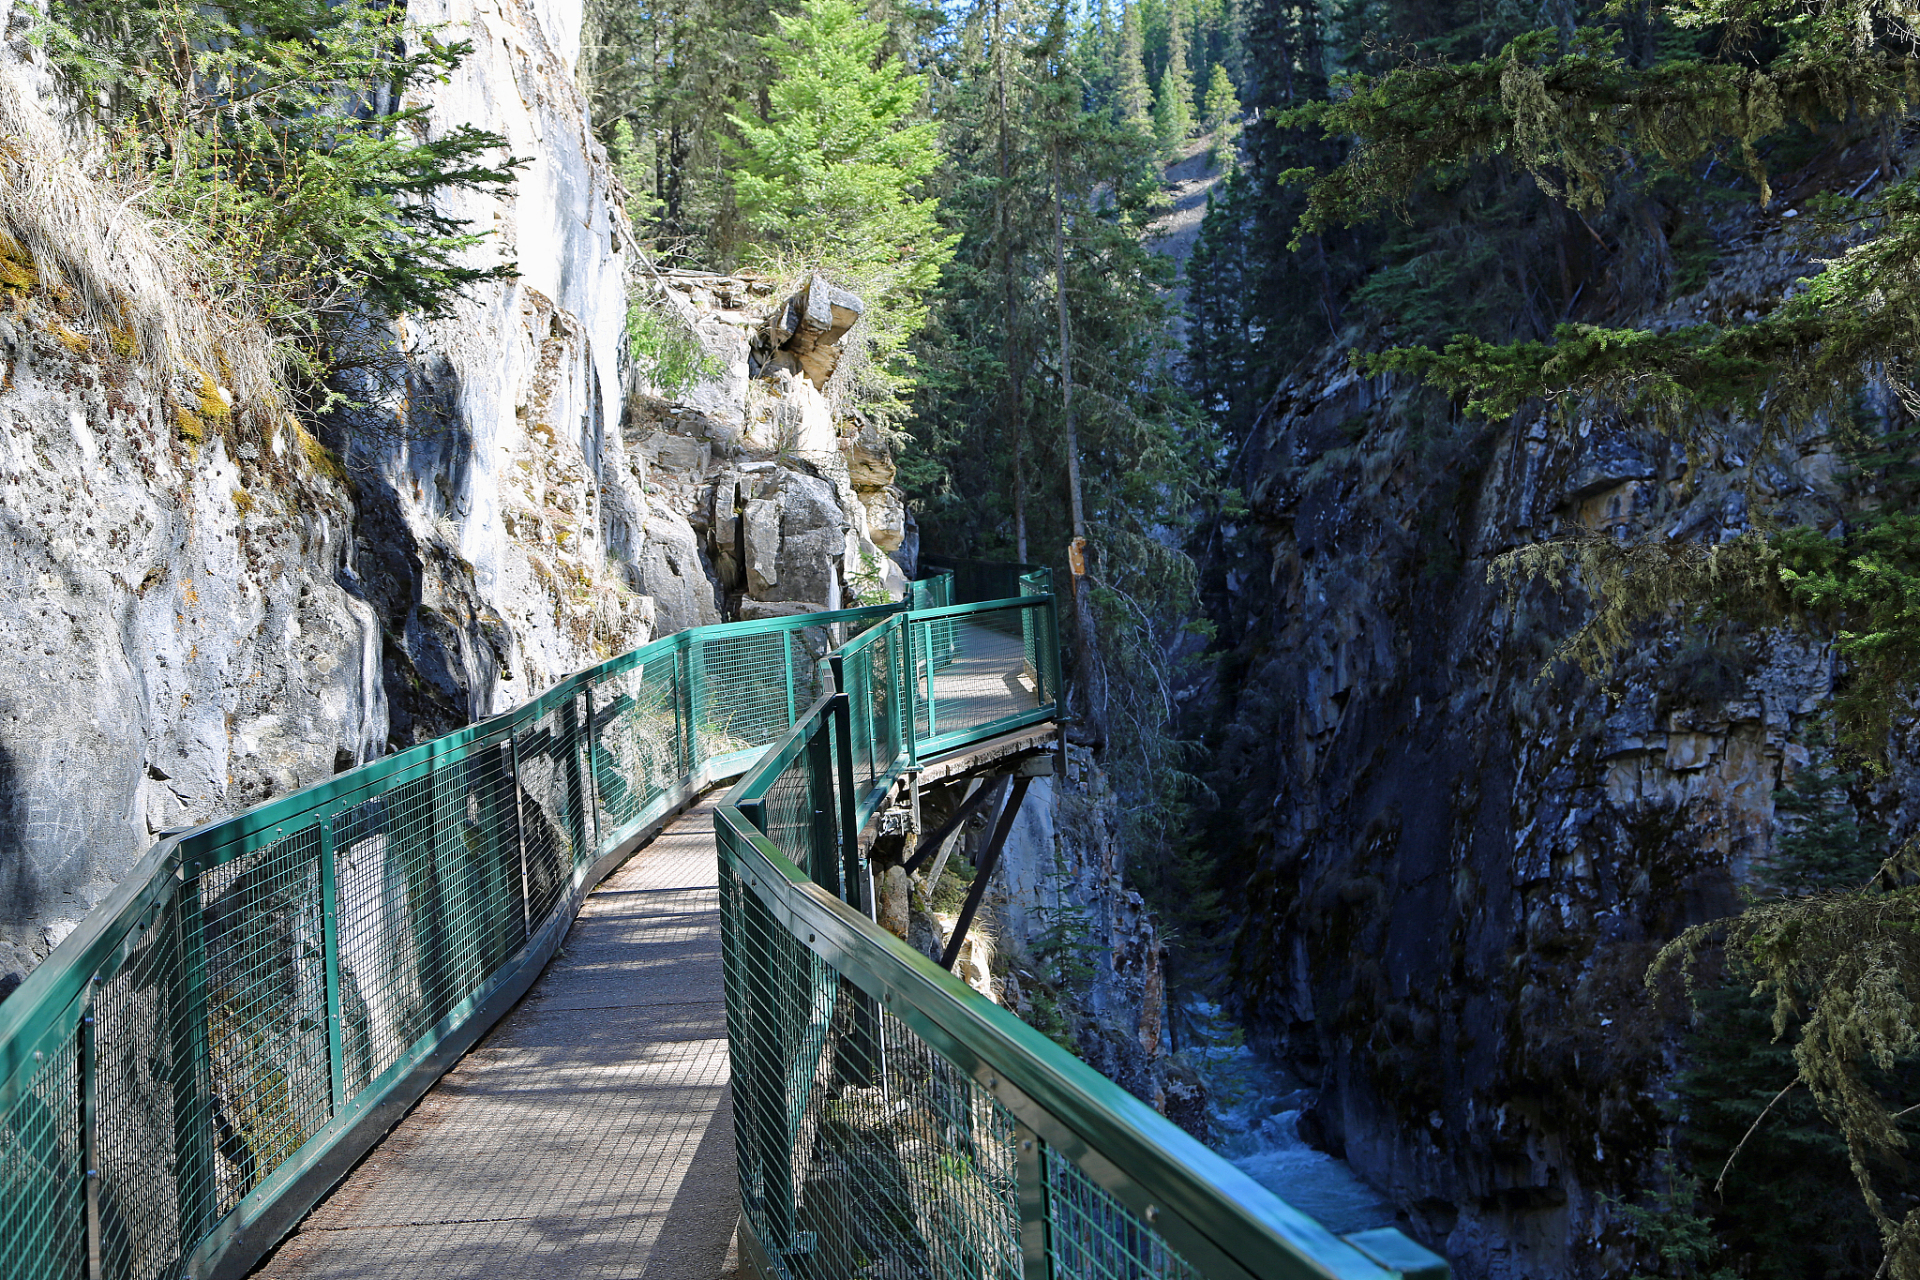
{"type": "Point", "coordinates": [1221, 118]}
{"type": "Point", "coordinates": [987, 440]}
{"type": "Point", "coordinates": [1841, 973]}
{"type": "Point", "coordinates": [271, 125]}
{"type": "Point", "coordinates": [1133, 96]}
{"type": "Point", "coordinates": [1781, 1204]}
{"type": "Point", "coordinates": [1866, 585]}
{"type": "Point", "coordinates": [1173, 99]}
{"type": "Point", "coordinates": [668, 353]}
{"type": "Point", "coordinates": [1631, 583]}
{"type": "Point", "coordinates": [1669, 1225]}
{"type": "Point", "coordinates": [867, 585]}
{"type": "Point", "coordinates": [830, 177]}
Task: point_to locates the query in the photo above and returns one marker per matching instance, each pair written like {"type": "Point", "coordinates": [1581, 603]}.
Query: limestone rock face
{"type": "Point", "coordinates": [1459, 872]}
{"type": "Point", "coordinates": [1063, 865]}
{"type": "Point", "coordinates": [792, 501]}
{"type": "Point", "coordinates": [198, 618]}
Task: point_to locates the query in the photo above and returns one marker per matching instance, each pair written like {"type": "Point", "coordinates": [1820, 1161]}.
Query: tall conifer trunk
{"type": "Point", "coordinates": [1077, 552]}
{"type": "Point", "coordinates": [1016, 408]}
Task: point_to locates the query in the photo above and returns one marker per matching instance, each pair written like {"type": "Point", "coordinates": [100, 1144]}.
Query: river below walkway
{"type": "Point", "coordinates": [1255, 1106]}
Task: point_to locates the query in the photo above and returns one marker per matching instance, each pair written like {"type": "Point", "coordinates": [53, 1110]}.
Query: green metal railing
{"type": "Point", "coordinates": [890, 1121]}
{"type": "Point", "coordinates": [262, 997]}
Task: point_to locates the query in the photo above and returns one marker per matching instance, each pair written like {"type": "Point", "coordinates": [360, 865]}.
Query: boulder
{"type": "Point", "coordinates": [870, 459]}
{"type": "Point", "coordinates": [886, 517]}
{"type": "Point", "coordinates": [803, 335]}
{"type": "Point", "coordinates": [667, 566]}
{"type": "Point", "coordinates": [755, 610]}
{"type": "Point", "coordinates": [761, 527]}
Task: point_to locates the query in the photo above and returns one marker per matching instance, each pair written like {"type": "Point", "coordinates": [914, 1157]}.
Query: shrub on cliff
{"type": "Point", "coordinates": [279, 130]}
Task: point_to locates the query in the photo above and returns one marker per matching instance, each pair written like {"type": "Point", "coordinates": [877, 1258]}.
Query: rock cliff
{"type": "Point", "coordinates": [1456, 870]}
{"type": "Point", "coordinates": [206, 606]}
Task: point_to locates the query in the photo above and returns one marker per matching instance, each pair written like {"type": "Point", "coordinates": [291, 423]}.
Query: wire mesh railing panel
{"type": "Point", "coordinates": [988, 679]}
{"type": "Point", "coordinates": [856, 674]}
{"type": "Point", "coordinates": [806, 647]}
{"type": "Point", "coordinates": [799, 813]}
{"type": "Point", "coordinates": [551, 823]}
{"type": "Point", "coordinates": [638, 738]}
{"type": "Point", "coordinates": [863, 1152]}
{"type": "Point", "coordinates": [883, 694]}
{"type": "Point", "coordinates": [475, 870]}
{"type": "Point", "coordinates": [1092, 1236]}
{"type": "Point", "coordinates": [236, 1023]}
{"type": "Point", "coordinates": [266, 1009]}
{"type": "Point", "coordinates": [742, 699]}
{"type": "Point", "coordinates": [42, 1174]}
{"type": "Point", "coordinates": [148, 1095]}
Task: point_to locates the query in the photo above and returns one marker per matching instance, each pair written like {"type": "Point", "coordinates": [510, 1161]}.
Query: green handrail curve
{"type": "Point", "coordinates": [872, 1088]}
{"type": "Point", "coordinates": [262, 997]}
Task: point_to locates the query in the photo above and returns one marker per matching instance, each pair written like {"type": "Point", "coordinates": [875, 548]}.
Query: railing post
{"type": "Point", "coordinates": [330, 957]}
{"type": "Point", "coordinates": [192, 1119]}
{"type": "Point", "coordinates": [520, 837]}
{"type": "Point", "coordinates": [592, 797]}
{"type": "Point", "coordinates": [840, 710]}
{"type": "Point", "coordinates": [1036, 1261]}
{"type": "Point", "coordinates": [823, 854]}
{"type": "Point", "coordinates": [89, 1129]}
{"type": "Point", "coordinates": [786, 666]}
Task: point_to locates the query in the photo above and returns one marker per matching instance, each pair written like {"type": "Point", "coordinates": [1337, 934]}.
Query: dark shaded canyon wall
{"type": "Point", "coordinates": [1456, 873]}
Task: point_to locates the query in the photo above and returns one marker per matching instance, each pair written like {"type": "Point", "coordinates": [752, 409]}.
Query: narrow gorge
{"type": "Point", "coordinates": [1470, 454]}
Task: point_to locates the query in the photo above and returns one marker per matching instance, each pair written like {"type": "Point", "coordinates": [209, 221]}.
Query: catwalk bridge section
{"type": "Point", "coordinates": [726, 1031]}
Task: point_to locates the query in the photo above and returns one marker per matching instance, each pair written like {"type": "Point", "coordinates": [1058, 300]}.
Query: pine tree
{"type": "Point", "coordinates": [1173, 102]}
{"type": "Point", "coordinates": [1133, 98]}
{"type": "Point", "coordinates": [1222, 119]}
{"type": "Point", "coordinates": [830, 178]}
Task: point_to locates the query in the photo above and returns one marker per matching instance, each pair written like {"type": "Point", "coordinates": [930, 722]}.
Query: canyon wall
{"type": "Point", "coordinates": [1459, 856]}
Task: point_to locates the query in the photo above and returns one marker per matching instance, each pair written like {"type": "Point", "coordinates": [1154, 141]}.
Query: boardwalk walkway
{"type": "Point", "coordinates": [590, 1134]}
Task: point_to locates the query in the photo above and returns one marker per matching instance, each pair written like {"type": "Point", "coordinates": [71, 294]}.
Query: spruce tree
{"type": "Point", "coordinates": [1133, 97]}
{"type": "Point", "coordinates": [831, 178]}
{"type": "Point", "coordinates": [1173, 102]}
{"type": "Point", "coordinates": [1222, 119]}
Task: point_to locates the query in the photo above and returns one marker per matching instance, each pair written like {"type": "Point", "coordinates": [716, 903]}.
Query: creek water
{"type": "Point", "coordinates": [1255, 1106]}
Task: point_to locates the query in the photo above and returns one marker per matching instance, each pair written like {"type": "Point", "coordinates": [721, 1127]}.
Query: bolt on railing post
{"type": "Point", "coordinates": [89, 1131]}
{"type": "Point", "coordinates": [1030, 1168]}
{"type": "Point", "coordinates": [330, 957]}
{"type": "Point", "coordinates": [520, 837]}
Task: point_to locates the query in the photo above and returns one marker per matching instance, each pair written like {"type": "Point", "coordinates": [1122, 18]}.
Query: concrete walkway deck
{"type": "Point", "coordinates": [590, 1134]}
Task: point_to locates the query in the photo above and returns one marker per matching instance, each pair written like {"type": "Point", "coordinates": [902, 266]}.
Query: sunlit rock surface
{"type": "Point", "coordinates": [197, 623]}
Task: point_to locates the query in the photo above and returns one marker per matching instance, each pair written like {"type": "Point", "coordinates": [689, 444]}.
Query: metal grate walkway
{"type": "Point", "coordinates": [590, 1134]}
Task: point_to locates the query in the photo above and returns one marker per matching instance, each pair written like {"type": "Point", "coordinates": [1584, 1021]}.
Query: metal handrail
{"type": "Point", "coordinates": [264, 996]}
{"type": "Point", "coordinates": [1181, 1209]}
{"type": "Point", "coordinates": [157, 957]}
